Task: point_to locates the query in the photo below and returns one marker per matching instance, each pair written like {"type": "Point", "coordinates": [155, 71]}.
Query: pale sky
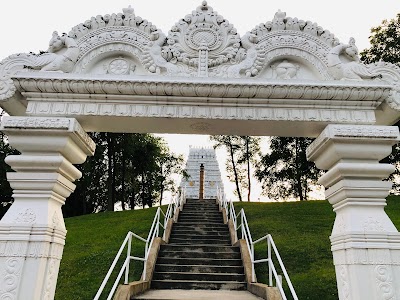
{"type": "Point", "coordinates": [27, 26]}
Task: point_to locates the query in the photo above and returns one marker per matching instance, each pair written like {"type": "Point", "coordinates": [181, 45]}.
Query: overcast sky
{"type": "Point", "coordinates": [28, 25]}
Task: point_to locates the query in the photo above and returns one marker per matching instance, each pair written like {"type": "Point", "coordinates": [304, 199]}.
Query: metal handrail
{"type": "Point", "coordinates": [154, 232]}
{"type": "Point", "coordinates": [246, 235]}
{"type": "Point", "coordinates": [176, 204]}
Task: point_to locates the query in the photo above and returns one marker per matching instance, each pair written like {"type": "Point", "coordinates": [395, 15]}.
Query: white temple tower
{"type": "Point", "coordinates": [212, 174]}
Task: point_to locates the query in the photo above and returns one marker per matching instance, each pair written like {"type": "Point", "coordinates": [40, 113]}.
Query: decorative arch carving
{"type": "Point", "coordinates": [202, 44]}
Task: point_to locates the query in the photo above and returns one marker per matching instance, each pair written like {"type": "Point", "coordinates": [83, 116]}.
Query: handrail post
{"type": "Point", "coordinates": [269, 261]}
{"type": "Point", "coordinates": [158, 222]}
{"type": "Point", "coordinates": [253, 272]}
{"type": "Point", "coordinates": [128, 258]}
{"type": "Point", "coordinates": [145, 261]}
{"type": "Point", "coordinates": [242, 222]}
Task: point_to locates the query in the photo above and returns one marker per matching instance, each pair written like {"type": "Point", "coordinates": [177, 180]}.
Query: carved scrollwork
{"type": "Point", "coordinates": [384, 278]}
{"type": "Point", "coordinates": [11, 278]}
{"type": "Point", "coordinates": [7, 88]}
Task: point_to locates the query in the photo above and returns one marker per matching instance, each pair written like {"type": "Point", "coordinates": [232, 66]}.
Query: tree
{"type": "Point", "coordinates": [285, 171]}
{"type": "Point", "coordinates": [248, 156]}
{"type": "Point", "coordinates": [170, 164]}
{"type": "Point", "coordinates": [127, 169]}
{"type": "Point", "coordinates": [232, 145]}
{"type": "Point", "coordinates": [90, 194]}
{"type": "Point", "coordinates": [385, 45]}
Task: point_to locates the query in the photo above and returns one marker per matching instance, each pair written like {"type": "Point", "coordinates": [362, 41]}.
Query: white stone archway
{"type": "Point", "coordinates": [119, 73]}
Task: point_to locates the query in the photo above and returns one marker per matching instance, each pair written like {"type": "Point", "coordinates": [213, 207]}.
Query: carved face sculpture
{"type": "Point", "coordinates": [56, 43]}
{"type": "Point", "coordinates": [352, 52]}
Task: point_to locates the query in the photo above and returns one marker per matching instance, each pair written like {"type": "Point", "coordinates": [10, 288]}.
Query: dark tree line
{"type": "Point", "coordinates": [126, 171]}
{"type": "Point", "coordinates": [130, 170]}
{"type": "Point", "coordinates": [285, 172]}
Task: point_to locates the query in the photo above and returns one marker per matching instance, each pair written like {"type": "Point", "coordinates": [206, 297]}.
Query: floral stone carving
{"type": "Point", "coordinates": [202, 40]}
{"type": "Point", "coordinates": [120, 66]}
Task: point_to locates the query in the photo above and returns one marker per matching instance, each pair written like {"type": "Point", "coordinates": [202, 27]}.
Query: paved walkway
{"type": "Point", "coordinates": [197, 295]}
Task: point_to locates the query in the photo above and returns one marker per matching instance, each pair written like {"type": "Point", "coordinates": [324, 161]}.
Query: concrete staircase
{"type": "Point", "coordinates": [199, 254]}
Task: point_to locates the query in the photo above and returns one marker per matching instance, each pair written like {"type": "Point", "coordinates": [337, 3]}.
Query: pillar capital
{"type": "Point", "coordinates": [49, 135]}
{"type": "Point", "coordinates": [359, 142]}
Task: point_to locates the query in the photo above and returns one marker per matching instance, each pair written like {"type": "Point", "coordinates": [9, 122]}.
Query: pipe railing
{"type": "Point", "coordinates": [176, 204]}
{"type": "Point", "coordinates": [243, 226]}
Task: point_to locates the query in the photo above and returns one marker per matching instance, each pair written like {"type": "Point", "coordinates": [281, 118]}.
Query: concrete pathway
{"type": "Point", "coordinates": [197, 295]}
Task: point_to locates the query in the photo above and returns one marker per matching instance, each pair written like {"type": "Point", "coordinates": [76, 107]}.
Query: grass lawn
{"type": "Point", "coordinates": [300, 230]}
{"type": "Point", "coordinates": [91, 245]}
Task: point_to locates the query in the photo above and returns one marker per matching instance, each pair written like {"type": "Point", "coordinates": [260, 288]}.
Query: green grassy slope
{"type": "Point", "coordinates": [91, 245]}
{"type": "Point", "coordinates": [300, 229]}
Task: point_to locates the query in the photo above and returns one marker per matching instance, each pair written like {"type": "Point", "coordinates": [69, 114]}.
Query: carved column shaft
{"type": "Point", "coordinates": [365, 243]}
{"type": "Point", "coordinates": [32, 233]}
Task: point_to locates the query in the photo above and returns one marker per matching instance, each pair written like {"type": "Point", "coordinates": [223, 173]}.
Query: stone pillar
{"type": "Point", "coordinates": [32, 233]}
{"type": "Point", "coordinates": [365, 243]}
{"type": "Point", "coordinates": [201, 184]}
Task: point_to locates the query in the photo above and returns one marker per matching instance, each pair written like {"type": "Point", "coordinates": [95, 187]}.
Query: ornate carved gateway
{"type": "Point", "coordinates": [119, 72]}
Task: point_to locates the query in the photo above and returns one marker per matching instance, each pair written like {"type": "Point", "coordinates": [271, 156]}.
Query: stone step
{"type": "Point", "coordinates": [201, 216]}
{"type": "Point", "coordinates": [201, 237]}
{"type": "Point", "coordinates": [200, 211]}
{"type": "Point", "coordinates": [200, 269]}
{"type": "Point", "coordinates": [198, 285]}
{"type": "Point", "coordinates": [200, 248]}
{"type": "Point", "coordinates": [207, 223]}
{"type": "Point", "coordinates": [185, 254]}
{"type": "Point", "coordinates": [198, 276]}
{"type": "Point", "coordinates": [201, 203]}
{"type": "Point", "coordinates": [220, 233]}
{"type": "Point", "coordinates": [201, 219]}
{"type": "Point", "coordinates": [189, 225]}
{"type": "Point", "coordinates": [204, 241]}
{"type": "Point", "coordinates": [193, 207]}
{"type": "Point", "coordinates": [177, 294]}
{"type": "Point", "coordinates": [203, 200]}
{"type": "Point", "coordinates": [199, 261]}
{"type": "Point", "coordinates": [200, 231]}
